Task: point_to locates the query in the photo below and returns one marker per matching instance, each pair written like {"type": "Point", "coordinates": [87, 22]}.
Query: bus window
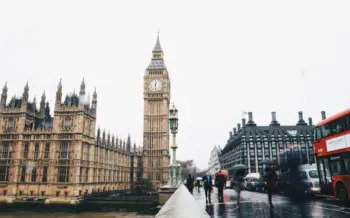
{"type": "Point", "coordinates": [336, 165]}
{"type": "Point", "coordinates": [318, 134]}
{"type": "Point", "coordinates": [326, 130]}
{"type": "Point", "coordinates": [338, 125]}
{"type": "Point", "coordinates": [348, 122]}
{"type": "Point", "coordinates": [346, 157]}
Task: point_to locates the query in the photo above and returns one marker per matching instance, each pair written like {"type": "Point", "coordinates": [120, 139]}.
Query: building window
{"type": "Point", "coordinates": [4, 171]}
{"type": "Point", "coordinates": [67, 123]}
{"type": "Point", "coordinates": [26, 150]}
{"type": "Point", "coordinates": [64, 150]}
{"type": "Point", "coordinates": [23, 175]}
{"type": "Point", "coordinates": [33, 175]}
{"type": "Point", "coordinates": [63, 174]}
{"type": "Point", "coordinates": [5, 151]}
{"type": "Point", "coordinates": [36, 151]}
{"type": "Point", "coordinates": [45, 174]}
{"type": "Point", "coordinates": [47, 150]}
{"type": "Point", "coordinates": [10, 124]}
{"type": "Point", "coordinates": [63, 171]}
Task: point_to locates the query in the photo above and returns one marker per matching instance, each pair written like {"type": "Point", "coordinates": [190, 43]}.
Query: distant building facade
{"type": "Point", "coordinates": [59, 158]}
{"type": "Point", "coordinates": [250, 144]}
{"type": "Point", "coordinates": [214, 163]}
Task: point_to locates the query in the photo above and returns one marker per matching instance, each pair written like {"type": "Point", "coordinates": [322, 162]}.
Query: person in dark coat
{"type": "Point", "coordinates": [238, 183]}
{"type": "Point", "coordinates": [270, 178]}
{"type": "Point", "coordinates": [208, 185]}
{"type": "Point", "coordinates": [189, 184]}
{"type": "Point", "coordinates": [220, 182]}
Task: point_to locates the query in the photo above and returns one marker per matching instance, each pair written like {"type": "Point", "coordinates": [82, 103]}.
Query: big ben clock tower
{"type": "Point", "coordinates": [156, 96]}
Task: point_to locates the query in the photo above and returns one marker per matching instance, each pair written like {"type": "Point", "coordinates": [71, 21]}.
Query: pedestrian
{"type": "Point", "coordinates": [238, 183]}
{"type": "Point", "coordinates": [198, 184]}
{"type": "Point", "coordinates": [189, 184]}
{"type": "Point", "coordinates": [270, 178]}
{"type": "Point", "coordinates": [208, 186]}
{"type": "Point", "coordinates": [220, 182]}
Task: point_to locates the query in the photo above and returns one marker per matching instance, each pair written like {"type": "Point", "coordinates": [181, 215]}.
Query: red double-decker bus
{"type": "Point", "coordinates": [332, 150]}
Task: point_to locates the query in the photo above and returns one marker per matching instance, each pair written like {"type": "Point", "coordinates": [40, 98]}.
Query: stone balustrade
{"type": "Point", "coordinates": [182, 205]}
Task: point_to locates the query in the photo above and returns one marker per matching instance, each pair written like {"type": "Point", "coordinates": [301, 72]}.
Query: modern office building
{"type": "Point", "coordinates": [250, 143]}
{"type": "Point", "coordinates": [213, 163]}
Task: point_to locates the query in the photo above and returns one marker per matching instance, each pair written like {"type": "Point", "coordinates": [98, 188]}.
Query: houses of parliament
{"type": "Point", "coordinates": [60, 158]}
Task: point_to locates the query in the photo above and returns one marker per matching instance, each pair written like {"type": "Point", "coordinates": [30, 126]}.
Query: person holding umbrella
{"type": "Point", "coordinates": [270, 178]}
{"type": "Point", "coordinates": [220, 182]}
{"type": "Point", "coordinates": [239, 171]}
{"type": "Point", "coordinates": [207, 186]}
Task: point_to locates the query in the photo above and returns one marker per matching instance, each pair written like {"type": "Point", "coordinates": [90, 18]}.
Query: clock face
{"type": "Point", "coordinates": [155, 85]}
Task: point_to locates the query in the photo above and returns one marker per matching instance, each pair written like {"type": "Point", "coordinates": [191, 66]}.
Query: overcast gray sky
{"type": "Point", "coordinates": [223, 58]}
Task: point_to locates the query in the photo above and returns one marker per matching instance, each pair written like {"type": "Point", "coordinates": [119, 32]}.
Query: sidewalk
{"type": "Point", "coordinates": [255, 205]}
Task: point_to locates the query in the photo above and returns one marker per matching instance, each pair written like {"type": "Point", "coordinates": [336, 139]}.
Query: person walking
{"type": "Point", "coordinates": [207, 186]}
{"type": "Point", "coordinates": [220, 182]}
{"type": "Point", "coordinates": [238, 183]}
{"type": "Point", "coordinates": [270, 178]}
{"type": "Point", "coordinates": [198, 184]}
{"type": "Point", "coordinates": [189, 183]}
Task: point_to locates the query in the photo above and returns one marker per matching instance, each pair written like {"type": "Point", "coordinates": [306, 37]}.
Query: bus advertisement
{"type": "Point", "coordinates": [332, 151]}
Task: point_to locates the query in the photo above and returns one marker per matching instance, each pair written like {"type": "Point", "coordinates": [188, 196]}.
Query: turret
{"type": "Point", "coordinates": [59, 95]}
{"type": "Point", "coordinates": [108, 139]}
{"type": "Point", "coordinates": [25, 97]}
{"type": "Point", "coordinates": [3, 96]}
{"type": "Point", "coordinates": [34, 105]}
{"type": "Point", "coordinates": [103, 136]}
{"type": "Point", "coordinates": [128, 144]}
{"type": "Point", "coordinates": [42, 105]}
{"type": "Point", "coordinates": [94, 103]}
{"type": "Point", "coordinates": [82, 93]}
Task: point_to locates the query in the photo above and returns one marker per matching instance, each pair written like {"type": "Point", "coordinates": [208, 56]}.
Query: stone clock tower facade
{"type": "Point", "coordinates": [156, 157]}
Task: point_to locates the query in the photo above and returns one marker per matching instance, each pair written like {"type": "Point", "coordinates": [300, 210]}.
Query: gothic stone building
{"type": "Point", "coordinates": [156, 157]}
{"type": "Point", "coordinates": [251, 144]}
{"type": "Point", "coordinates": [59, 158]}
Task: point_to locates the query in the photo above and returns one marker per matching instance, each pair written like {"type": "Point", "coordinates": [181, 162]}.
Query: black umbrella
{"type": "Point", "coordinates": [239, 167]}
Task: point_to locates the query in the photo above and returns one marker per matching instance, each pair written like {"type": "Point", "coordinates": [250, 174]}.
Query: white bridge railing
{"type": "Point", "coordinates": [182, 205]}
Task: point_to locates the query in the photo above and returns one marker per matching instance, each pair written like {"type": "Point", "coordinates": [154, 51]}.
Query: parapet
{"type": "Point", "coordinates": [182, 205]}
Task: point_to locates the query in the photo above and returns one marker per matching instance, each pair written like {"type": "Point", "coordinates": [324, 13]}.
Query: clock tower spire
{"type": "Point", "coordinates": [156, 157]}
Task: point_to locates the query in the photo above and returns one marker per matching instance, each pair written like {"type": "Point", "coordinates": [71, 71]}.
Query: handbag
{"type": "Point", "coordinates": [211, 190]}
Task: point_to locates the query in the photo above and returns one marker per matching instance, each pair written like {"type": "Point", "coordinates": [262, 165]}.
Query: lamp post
{"type": "Point", "coordinates": [174, 124]}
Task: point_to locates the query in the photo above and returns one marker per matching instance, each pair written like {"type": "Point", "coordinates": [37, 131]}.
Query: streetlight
{"type": "Point", "coordinates": [174, 124]}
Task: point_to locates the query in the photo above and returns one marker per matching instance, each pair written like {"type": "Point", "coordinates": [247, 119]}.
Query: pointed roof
{"type": "Point", "coordinates": [157, 62]}
{"type": "Point", "coordinates": [157, 47]}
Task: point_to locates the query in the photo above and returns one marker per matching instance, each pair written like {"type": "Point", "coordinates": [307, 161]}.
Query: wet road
{"type": "Point", "coordinates": [254, 204]}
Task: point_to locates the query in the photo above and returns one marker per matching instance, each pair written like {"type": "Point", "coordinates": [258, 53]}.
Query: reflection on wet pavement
{"type": "Point", "coordinates": [254, 204]}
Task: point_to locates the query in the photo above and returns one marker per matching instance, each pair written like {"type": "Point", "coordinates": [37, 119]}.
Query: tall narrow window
{"type": "Point", "coordinates": [10, 124]}
{"type": "Point", "coordinates": [23, 175]}
{"type": "Point", "coordinates": [26, 150]}
{"type": "Point", "coordinates": [67, 123]}
{"type": "Point", "coordinates": [63, 171]}
{"type": "Point", "coordinates": [81, 175]}
{"type": "Point", "coordinates": [4, 171]}
{"type": "Point", "coordinates": [63, 174]}
{"type": "Point", "coordinates": [47, 150]}
{"type": "Point", "coordinates": [36, 151]}
{"type": "Point", "coordinates": [45, 174]}
{"type": "Point", "coordinates": [33, 175]}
